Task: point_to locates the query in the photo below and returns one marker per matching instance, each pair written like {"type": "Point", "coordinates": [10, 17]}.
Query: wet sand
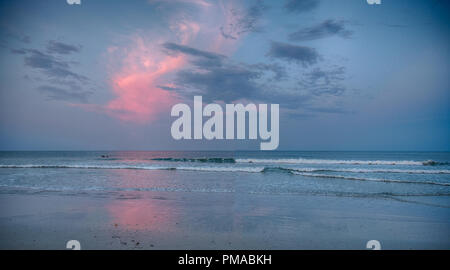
{"type": "Point", "coordinates": [183, 220]}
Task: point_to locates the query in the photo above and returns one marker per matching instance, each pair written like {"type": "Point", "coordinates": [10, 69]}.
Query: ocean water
{"type": "Point", "coordinates": [415, 176]}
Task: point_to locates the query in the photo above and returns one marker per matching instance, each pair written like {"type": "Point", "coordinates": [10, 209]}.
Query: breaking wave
{"type": "Point", "coordinates": [332, 161]}
{"type": "Point", "coordinates": [370, 179]}
{"type": "Point", "coordinates": [204, 160]}
{"type": "Point", "coordinates": [308, 172]}
{"type": "Point", "coordinates": [260, 169]}
{"type": "Point", "coordinates": [183, 168]}
{"type": "Point", "coordinates": [354, 170]}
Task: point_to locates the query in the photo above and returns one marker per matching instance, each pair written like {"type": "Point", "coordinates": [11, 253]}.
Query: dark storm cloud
{"type": "Point", "coordinates": [58, 93]}
{"type": "Point", "coordinates": [62, 48]}
{"type": "Point", "coordinates": [299, 6]}
{"type": "Point", "coordinates": [325, 29]}
{"type": "Point", "coordinates": [243, 21]}
{"type": "Point", "coordinates": [301, 54]}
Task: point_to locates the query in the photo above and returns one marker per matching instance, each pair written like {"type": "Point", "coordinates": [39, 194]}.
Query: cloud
{"type": "Point", "coordinates": [299, 6]}
{"type": "Point", "coordinates": [325, 29]}
{"type": "Point", "coordinates": [278, 71]}
{"type": "Point", "coordinates": [50, 65]}
{"type": "Point", "coordinates": [300, 54]}
{"type": "Point", "coordinates": [220, 79]}
{"type": "Point", "coordinates": [242, 21]}
{"type": "Point", "coordinates": [192, 51]}
{"type": "Point", "coordinates": [60, 82]}
{"type": "Point", "coordinates": [321, 82]}
{"type": "Point", "coordinates": [57, 93]}
{"type": "Point", "coordinates": [136, 81]}
{"type": "Point", "coordinates": [10, 37]}
{"type": "Point", "coordinates": [17, 36]}
{"type": "Point", "coordinates": [144, 67]}
{"type": "Point", "coordinates": [217, 78]}
{"type": "Point", "coordinates": [330, 110]}
{"type": "Point", "coordinates": [62, 48]}
{"type": "Point", "coordinates": [225, 83]}
{"type": "Point", "coordinates": [18, 51]}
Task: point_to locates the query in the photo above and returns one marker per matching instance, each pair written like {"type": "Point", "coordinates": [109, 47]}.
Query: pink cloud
{"type": "Point", "coordinates": [136, 83]}
{"type": "Point", "coordinates": [141, 67]}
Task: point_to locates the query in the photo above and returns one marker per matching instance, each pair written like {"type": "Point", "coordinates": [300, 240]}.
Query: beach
{"type": "Point", "coordinates": [43, 208]}
{"type": "Point", "coordinates": [162, 220]}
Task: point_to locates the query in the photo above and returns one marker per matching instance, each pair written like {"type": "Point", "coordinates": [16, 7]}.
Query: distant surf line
{"type": "Point", "coordinates": [304, 161]}
{"type": "Point", "coordinates": [226, 169]}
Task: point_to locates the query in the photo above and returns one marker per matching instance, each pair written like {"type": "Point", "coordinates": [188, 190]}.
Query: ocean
{"type": "Point", "coordinates": [387, 174]}
{"type": "Point", "coordinates": [224, 200]}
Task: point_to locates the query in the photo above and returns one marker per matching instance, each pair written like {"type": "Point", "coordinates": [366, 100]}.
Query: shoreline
{"type": "Point", "coordinates": [177, 220]}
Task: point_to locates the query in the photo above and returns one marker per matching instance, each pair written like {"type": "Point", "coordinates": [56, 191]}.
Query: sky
{"type": "Point", "coordinates": [104, 75]}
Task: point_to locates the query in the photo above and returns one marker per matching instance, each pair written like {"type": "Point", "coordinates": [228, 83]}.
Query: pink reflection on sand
{"type": "Point", "coordinates": [131, 211]}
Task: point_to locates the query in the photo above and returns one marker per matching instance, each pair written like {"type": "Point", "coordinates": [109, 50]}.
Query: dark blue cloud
{"type": "Point", "coordinates": [60, 81]}
{"type": "Point", "coordinates": [324, 81]}
{"type": "Point", "coordinates": [172, 47]}
{"type": "Point", "coordinates": [221, 79]}
{"type": "Point", "coordinates": [325, 29]}
{"type": "Point", "coordinates": [299, 6]}
{"type": "Point", "coordinates": [18, 51]}
{"type": "Point", "coordinates": [216, 77]}
{"type": "Point", "coordinates": [243, 21]}
{"type": "Point", "coordinates": [50, 65]}
{"type": "Point", "coordinates": [62, 48]}
{"type": "Point", "coordinates": [300, 54]}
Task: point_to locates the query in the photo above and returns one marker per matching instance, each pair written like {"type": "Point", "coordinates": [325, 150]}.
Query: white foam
{"type": "Point", "coordinates": [370, 179]}
{"type": "Point", "coordinates": [192, 168]}
{"type": "Point", "coordinates": [329, 161]}
{"type": "Point", "coordinates": [354, 170]}
{"type": "Point", "coordinates": [223, 169]}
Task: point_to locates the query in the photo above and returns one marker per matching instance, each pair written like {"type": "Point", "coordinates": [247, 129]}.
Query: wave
{"type": "Point", "coordinates": [185, 168]}
{"type": "Point", "coordinates": [309, 172]}
{"type": "Point", "coordinates": [332, 161]}
{"type": "Point", "coordinates": [370, 179]}
{"type": "Point", "coordinates": [434, 163]}
{"type": "Point", "coordinates": [223, 169]}
{"type": "Point", "coordinates": [205, 160]}
{"type": "Point", "coordinates": [255, 169]}
{"type": "Point", "coordinates": [74, 166]}
{"type": "Point", "coordinates": [353, 170]}
{"type": "Point", "coordinates": [263, 169]}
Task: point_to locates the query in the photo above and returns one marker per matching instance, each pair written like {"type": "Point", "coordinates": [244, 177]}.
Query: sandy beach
{"type": "Point", "coordinates": [168, 220]}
